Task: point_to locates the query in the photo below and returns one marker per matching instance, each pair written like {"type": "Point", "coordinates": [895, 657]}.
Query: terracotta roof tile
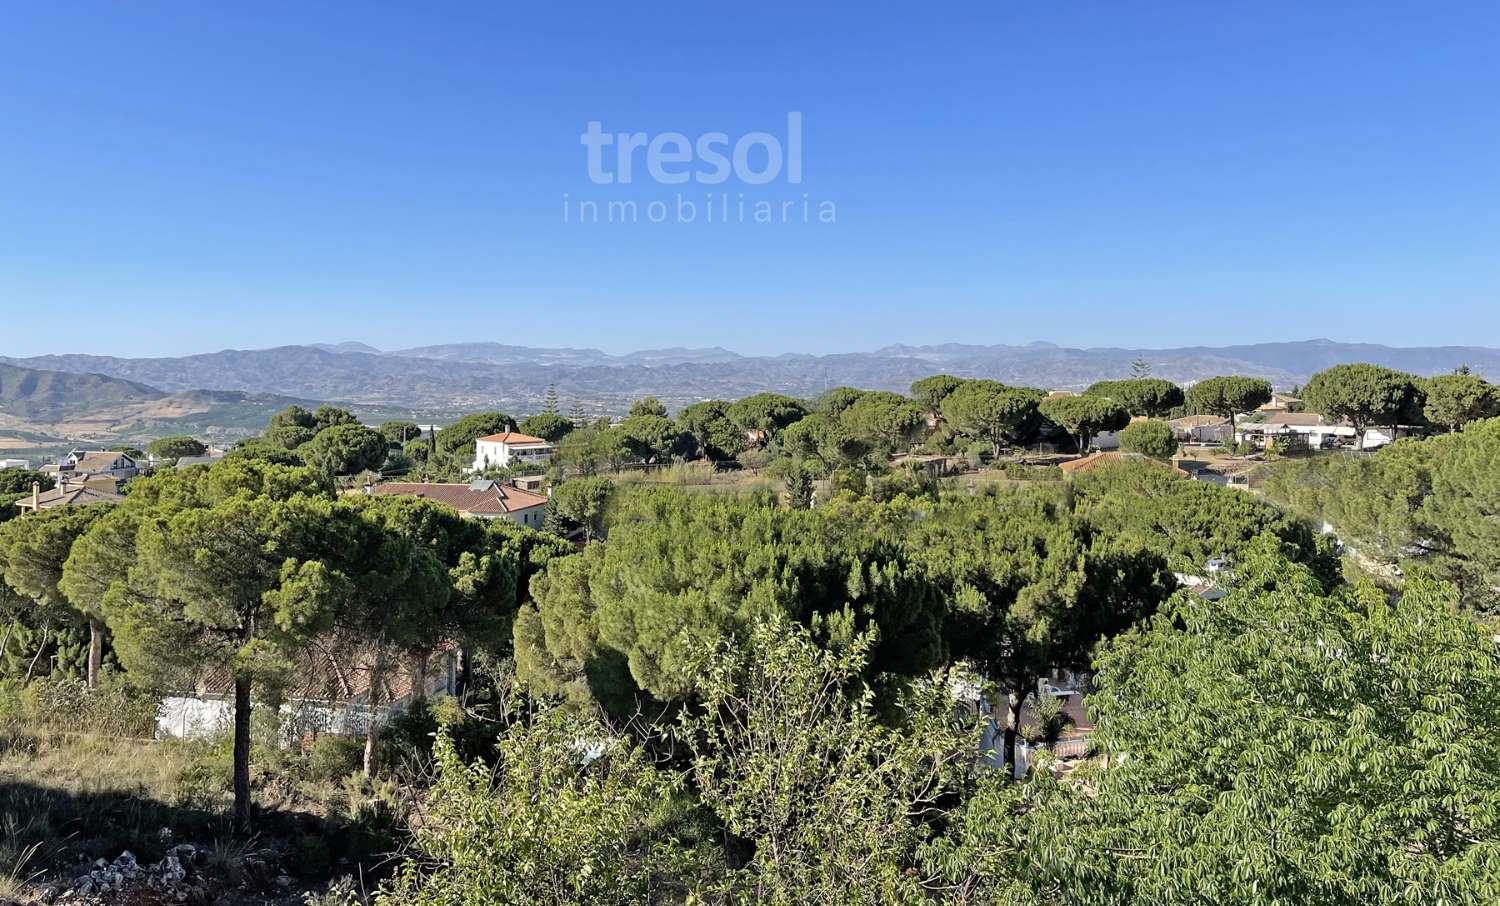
{"type": "Point", "coordinates": [513, 437]}
{"type": "Point", "coordinates": [480, 498]}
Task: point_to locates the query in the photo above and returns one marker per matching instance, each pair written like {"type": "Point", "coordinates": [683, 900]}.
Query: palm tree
{"type": "Point", "coordinates": [1049, 721]}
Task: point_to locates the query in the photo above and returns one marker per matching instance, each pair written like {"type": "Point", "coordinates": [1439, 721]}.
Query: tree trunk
{"type": "Point", "coordinates": [461, 682]}
{"type": "Point", "coordinates": [96, 651]}
{"type": "Point", "coordinates": [5, 642]}
{"type": "Point", "coordinates": [372, 726]}
{"type": "Point", "coordinates": [31, 670]}
{"type": "Point", "coordinates": [1013, 728]}
{"type": "Point", "coordinates": [419, 676]}
{"type": "Point", "coordinates": [242, 752]}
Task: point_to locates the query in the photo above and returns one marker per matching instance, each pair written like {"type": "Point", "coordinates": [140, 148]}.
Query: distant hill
{"type": "Point", "coordinates": [458, 377]}
{"type": "Point", "coordinates": [91, 406]}
{"type": "Point", "coordinates": [55, 395]}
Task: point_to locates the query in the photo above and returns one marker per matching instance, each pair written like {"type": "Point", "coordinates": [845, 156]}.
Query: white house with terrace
{"type": "Point", "coordinates": [510, 448]}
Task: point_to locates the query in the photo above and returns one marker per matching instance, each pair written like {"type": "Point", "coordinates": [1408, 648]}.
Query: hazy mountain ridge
{"type": "Point", "coordinates": [465, 376]}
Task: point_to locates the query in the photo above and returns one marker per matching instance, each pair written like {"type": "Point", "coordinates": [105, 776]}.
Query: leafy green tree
{"type": "Point", "coordinates": [884, 421]}
{"type": "Point", "coordinates": [799, 485]}
{"type": "Point", "coordinates": [1365, 395]}
{"type": "Point", "coordinates": [991, 411]}
{"type": "Point", "coordinates": [548, 426]}
{"type": "Point", "coordinates": [399, 602]}
{"type": "Point", "coordinates": [16, 484]}
{"type": "Point", "coordinates": [1031, 587]}
{"type": "Point", "coordinates": [287, 437]}
{"type": "Point", "coordinates": [614, 448]}
{"type": "Point", "coordinates": [33, 550]}
{"type": "Point", "coordinates": [19, 481]}
{"type": "Point", "coordinates": [1191, 522]}
{"type": "Point", "coordinates": [1147, 396]}
{"type": "Point", "coordinates": [716, 437]}
{"type": "Point", "coordinates": [269, 448]}
{"type": "Point", "coordinates": [834, 401]}
{"type": "Point", "coordinates": [1454, 400]}
{"type": "Point", "coordinates": [578, 452]}
{"type": "Point", "coordinates": [1228, 395]}
{"type": "Point", "coordinates": [930, 392]}
{"type": "Point", "coordinates": [683, 571]}
{"type": "Point", "coordinates": [220, 568]}
{"type": "Point", "coordinates": [653, 437]}
{"type": "Point", "coordinates": [1335, 748]}
{"type": "Point", "coordinates": [294, 416]}
{"type": "Point", "coordinates": [648, 405]}
{"type": "Point", "coordinates": [1083, 417]}
{"type": "Point", "coordinates": [580, 503]}
{"type": "Point", "coordinates": [345, 449]}
{"type": "Point", "coordinates": [790, 753]}
{"type": "Point", "coordinates": [175, 447]}
{"type": "Point", "coordinates": [1149, 438]}
{"type": "Point", "coordinates": [400, 433]}
{"type": "Point", "coordinates": [326, 416]}
{"type": "Point", "coordinates": [572, 814]}
{"type": "Point", "coordinates": [825, 440]}
{"type": "Point", "coordinates": [765, 414]}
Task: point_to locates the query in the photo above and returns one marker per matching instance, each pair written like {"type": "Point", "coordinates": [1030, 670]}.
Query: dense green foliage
{"type": "Point", "coordinates": [1365, 395]}
{"type": "Point", "coordinates": [345, 449]}
{"type": "Point", "coordinates": [1454, 400]}
{"type": "Point", "coordinates": [1229, 395]}
{"type": "Point", "coordinates": [1152, 397]}
{"type": "Point", "coordinates": [546, 425]}
{"type": "Point", "coordinates": [1083, 417]}
{"type": "Point", "coordinates": [18, 483]}
{"type": "Point", "coordinates": [175, 447]}
{"type": "Point", "coordinates": [1151, 438]}
{"type": "Point", "coordinates": [991, 412]}
{"type": "Point", "coordinates": [1427, 504]}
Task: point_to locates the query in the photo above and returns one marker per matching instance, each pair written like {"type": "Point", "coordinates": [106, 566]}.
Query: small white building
{"type": "Point", "coordinates": [327, 698]}
{"type": "Point", "coordinates": [1200, 429]}
{"type": "Point", "coordinates": [15, 463]}
{"type": "Point", "coordinates": [510, 448]}
{"type": "Point", "coordinates": [1303, 429]}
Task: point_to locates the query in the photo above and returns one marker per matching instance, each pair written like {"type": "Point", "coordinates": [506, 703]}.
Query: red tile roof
{"type": "Point", "coordinates": [480, 498]}
{"type": "Point", "coordinates": [513, 437]}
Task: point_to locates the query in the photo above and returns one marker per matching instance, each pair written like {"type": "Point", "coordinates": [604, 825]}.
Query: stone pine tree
{"type": "Point", "coordinates": [1454, 400]}
{"type": "Point", "coordinates": [1228, 395]}
{"type": "Point", "coordinates": [33, 551]}
{"type": "Point", "coordinates": [990, 411]}
{"type": "Point", "coordinates": [1151, 397]}
{"type": "Point", "coordinates": [400, 591]}
{"type": "Point", "coordinates": [1084, 417]}
{"type": "Point", "coordinates": [1364, 395]}
{"type": "Point", "coordinates": [216, 570]}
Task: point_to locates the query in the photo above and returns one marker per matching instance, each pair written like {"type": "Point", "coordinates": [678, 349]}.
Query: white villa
{"type": "Point", "coordinates": [510, 448]}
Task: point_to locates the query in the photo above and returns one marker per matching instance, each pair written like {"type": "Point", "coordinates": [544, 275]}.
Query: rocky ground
{"type": "Point", "coordinates": [189, 875]}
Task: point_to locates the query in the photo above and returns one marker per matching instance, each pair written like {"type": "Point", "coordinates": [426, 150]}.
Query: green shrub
{"type": "Point", "coordinates": [334, 757]}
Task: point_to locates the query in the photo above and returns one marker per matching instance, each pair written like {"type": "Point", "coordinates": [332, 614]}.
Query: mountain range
{"type": "Point", "coordinates": [449, 379]}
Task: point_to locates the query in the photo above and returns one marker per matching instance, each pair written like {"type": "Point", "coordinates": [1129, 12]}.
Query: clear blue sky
{"type": "Point", "coordinates": [184, 177]}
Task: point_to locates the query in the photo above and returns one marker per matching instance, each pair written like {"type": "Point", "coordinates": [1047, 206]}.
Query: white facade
{"type": "Point", "coordinates": [505, 450]}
